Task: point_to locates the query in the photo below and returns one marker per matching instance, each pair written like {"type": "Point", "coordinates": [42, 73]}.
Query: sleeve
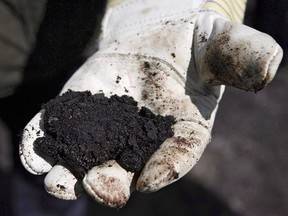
{"type": "Point", "coordinates": [233, 10]}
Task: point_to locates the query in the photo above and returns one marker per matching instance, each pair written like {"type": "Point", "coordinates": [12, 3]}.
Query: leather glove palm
{"type": "Point", "coordinates": [173, 58]}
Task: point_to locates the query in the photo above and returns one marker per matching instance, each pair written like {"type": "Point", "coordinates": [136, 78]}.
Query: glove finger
{"type": "Point", "coordinates": [33, 162]}
{"type": "Point", "coordinates": [175, 157]}
{"type": "Point", "coordinates": [61, 183]}
{"type": "Point", "coordinates": [109, 184]}
{"type": "Point", "coordinates": [239, 56]}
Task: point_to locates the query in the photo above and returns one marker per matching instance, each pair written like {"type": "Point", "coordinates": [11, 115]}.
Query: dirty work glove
{"type": "Point", "coordinates": [173, 57]}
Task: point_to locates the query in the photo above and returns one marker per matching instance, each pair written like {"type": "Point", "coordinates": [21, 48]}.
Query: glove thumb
{"type": "Point", "coordinates": [236, 55]}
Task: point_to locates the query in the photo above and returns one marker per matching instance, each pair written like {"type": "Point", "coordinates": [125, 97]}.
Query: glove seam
{"type": "Point", "coordinates": [204, 10]}
{"type": "Point", "coordinates": [151, 21]}
{"type": "Point", "coordinates": [96, 196]}
{"type": "Point", "coordinates": [70, 196]}
{"type": "Point", "coordinates": [136, 58]}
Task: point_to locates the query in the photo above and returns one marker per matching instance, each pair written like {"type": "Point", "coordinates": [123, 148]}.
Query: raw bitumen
{"type": "Point", "coordinates": [84, 130]}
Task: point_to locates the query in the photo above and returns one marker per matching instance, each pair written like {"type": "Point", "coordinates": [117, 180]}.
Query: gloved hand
{"type": "Point", "coordinates": [173, 57]}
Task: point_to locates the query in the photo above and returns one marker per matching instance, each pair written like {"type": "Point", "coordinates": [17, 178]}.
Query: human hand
{"type": "Point", "coordinates": [174, 64]}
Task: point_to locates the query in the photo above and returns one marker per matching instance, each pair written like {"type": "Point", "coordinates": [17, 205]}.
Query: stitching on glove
{"type": "Point", "coordinates": [95, 195]}
{"type": "Point", "coordinates": [148, 22]}
{"type": "Point", "coordinates": [204, 10]}
{"type": "Point", "coordinates": [131, 2]}
{"type": "Point", "coordinates": [27, 166]}
{"type": "Point", "coordinates": [135, 59]}
{"type": "Point", "coordinates": [125, 4]}
{"type": "Point", "coordinates": [67, 195]}
{"type": "Point", "coordinates": [269, 66]}
{"type": "Point", "coordinates": [98, 198]}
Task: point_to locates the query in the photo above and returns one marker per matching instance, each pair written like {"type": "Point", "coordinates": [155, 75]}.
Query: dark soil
{"type": "Point", "coordinates": [83, 130]}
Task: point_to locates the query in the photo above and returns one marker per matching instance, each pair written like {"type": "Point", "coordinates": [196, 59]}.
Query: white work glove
{"type": "Point", "coordinates": [174, 58]}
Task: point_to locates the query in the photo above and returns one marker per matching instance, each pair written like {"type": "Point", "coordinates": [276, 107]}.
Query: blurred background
{"type": "Point", "coordinates": [244, 170]}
